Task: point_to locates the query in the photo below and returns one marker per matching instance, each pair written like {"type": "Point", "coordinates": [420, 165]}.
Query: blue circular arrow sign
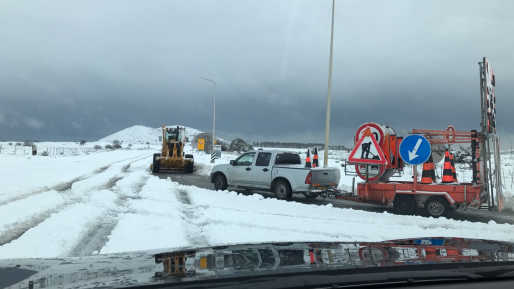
{"type": "Point", "coordinates": [415, 149]}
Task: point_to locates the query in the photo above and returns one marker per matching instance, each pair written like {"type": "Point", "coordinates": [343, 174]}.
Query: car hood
{"type": "Point", "coordinates": [190, 265]}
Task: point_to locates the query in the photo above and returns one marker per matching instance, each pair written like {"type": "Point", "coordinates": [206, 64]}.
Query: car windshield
{"type": "Point", "coordinates": [163, 126]}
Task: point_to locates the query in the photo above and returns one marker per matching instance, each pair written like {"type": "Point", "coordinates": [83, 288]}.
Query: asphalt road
{"type": "Point", "coordinates": [471, 215]}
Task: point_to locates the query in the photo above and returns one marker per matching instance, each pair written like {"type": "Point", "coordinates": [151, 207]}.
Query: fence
{"type": "Point", "coordinates": [27, 150]}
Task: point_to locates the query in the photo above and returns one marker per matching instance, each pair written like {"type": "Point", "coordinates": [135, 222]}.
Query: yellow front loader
{"type": "Point", "coordinates": [172, 156]}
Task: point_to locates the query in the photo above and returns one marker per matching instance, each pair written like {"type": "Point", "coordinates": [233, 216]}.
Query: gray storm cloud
{"type": "Point", "coordinates": [83, 70]}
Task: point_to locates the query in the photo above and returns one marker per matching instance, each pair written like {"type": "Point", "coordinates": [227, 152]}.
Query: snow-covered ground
{"type": "Point", "coordinates": [108, 201]}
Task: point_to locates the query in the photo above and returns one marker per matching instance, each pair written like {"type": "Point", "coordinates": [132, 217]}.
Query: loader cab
{"type": "Point", "coordinates": [172, 134]}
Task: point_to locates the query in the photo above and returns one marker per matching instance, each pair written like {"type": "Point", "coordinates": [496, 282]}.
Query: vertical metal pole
{"type": "Point", "coordinates": [366, 182]}
{"type": "Point", "coordinates": [213, 119]}
{"type": "Point", "coordinates": [353, 186]}
{"type": "Point", "coordinates": [329, 94]}
{"type": "Point", "coordinates": [415, 178]}
{"type": "Point", "coordinates": [483, 122]}
{"type": "Point", "coordinates": [474, 156]}
{"type": "Point", "coordinates": [490, 180]}
{"type": "Point", "coordinates": [214, 123]}
{"type": "Point", "coordinates": [465, 198]}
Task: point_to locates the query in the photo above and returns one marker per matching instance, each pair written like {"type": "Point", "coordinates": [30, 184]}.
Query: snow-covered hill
{"type": "Point", "coordinates": [140, 134]}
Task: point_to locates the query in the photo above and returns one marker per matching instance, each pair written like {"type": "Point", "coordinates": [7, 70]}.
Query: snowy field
{"type": "Point", "coordinates": [108, 201]}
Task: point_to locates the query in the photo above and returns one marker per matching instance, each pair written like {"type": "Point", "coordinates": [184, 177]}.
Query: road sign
{"type": "Point", "coordinates": [367, 151]}
{"type": "Point", "coordinates": [376, 130]}
{"type": "Point", "coordinates": [415, 149]}
{"type": "Point", "coordinates": [374, 172]}
{"type": "Point", "coordinates": [201, 144]}
{"type": "Point", "coordinates": [450, 136]}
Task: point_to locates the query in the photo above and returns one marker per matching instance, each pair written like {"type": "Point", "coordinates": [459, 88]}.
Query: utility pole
{"type": "Point", "coordinates": [213, 120]}
{"type": "Point", "coordinates": [329, 94]}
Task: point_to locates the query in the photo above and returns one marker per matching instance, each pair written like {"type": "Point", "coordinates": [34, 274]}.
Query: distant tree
{"type": "Point", "coordinates": [82, 142]}
{"type": "Point", "coordinates": [147, 143]}
{"type": "Point", "coordinates": [10, 143]}
{"type": "Point", "coordinates": [116, 142]}
{"type": "Point", "coordinates": [27, 143]}
{"type": "Point", "coordinates": [130, 145]}
{"type": "Point", "coordinates": [18, 143]}
{"type": "Point", "coordinates": [108, 147]}
{"type": "Point", "coordinates": [97, 147]}
{"type": "Point", "coordinates": [117, 146]}
{"type": "Point", "coordinates": [239, 145]}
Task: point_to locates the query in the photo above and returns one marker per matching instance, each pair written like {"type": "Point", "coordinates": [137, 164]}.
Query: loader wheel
{"type": "Point", "coordinates": [437, 206]}
{"type": "Point", "coordinates": [282, 191]}
{"type": "Point", "coordinates": [404, 205]}
{"type": "Point", "coordinates": [156, 164]}
{"type": "Point", "coordinates": [190, 167]}
{"type": "Point", "coordinates": [220, 183]}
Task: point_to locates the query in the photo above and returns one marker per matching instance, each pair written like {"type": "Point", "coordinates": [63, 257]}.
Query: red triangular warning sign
{"type": "Point", "coordinates": [367, 151]}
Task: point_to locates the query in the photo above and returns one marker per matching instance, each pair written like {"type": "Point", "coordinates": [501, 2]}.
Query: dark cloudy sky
{"type": "Point", "coordinates": [73, 70]}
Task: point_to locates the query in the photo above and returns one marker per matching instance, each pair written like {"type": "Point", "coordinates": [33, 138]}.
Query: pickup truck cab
{"type": "Point", "coordinates": [280, 172]}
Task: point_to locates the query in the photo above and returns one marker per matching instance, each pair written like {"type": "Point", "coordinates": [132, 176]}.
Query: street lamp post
{"type": "Point", "coordinates": [329, 94]}
{"type": "Point", "coordinates": [213, 119]}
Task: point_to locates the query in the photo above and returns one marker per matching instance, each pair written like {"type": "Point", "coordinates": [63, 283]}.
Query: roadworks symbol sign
{"type": "Point", "coordinates": [367, 151]}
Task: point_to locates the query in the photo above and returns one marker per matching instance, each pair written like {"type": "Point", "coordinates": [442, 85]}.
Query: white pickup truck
{"type": "Point", "coordinates": [280, 172]}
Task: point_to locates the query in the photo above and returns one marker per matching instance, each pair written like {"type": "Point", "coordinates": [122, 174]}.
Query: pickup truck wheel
{"type": "Point", "coordinates": [437, 206]}
{"type": "Point", "coordinates": [190, 167]}
{"type": "Point", "coordinates": [282, 190]}
{"type": "Point", "coordinates": [220, 183]}
{"type": "Point", "coordinates": [404, 205]}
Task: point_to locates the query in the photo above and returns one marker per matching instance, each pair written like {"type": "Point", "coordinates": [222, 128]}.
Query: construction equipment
{"type": "Point", "coordinates": [483, 192]}
{"type": "Point", "coordinates": [172, 156]}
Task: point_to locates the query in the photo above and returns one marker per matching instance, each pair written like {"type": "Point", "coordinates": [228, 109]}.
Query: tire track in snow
{"type": "Point", "coordinates": [193, 230]}
{"type": "Point", "coordinates": [97, 235]}
{"type": "Point", "coordinates": [64, 186]}
{"type": "Point", "coordinates": [17, 231]}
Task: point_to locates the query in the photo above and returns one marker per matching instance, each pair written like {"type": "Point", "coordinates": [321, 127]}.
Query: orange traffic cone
{"type": "Point", "coordinates": [432, 168]}
{"type": "Point", "coordinates": [426, 176]}
{"type": "Point", "coordinates": [308, 159]}
{"type": "Point", "coordinates": [315, 162]}
{"type": "Point", "coordinates": [453, 168]}
{"type": "Point", "coordinates": [447, 171]}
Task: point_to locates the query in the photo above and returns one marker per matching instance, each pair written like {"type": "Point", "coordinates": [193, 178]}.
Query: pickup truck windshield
{"type": "Point", "coordinates": [245, 160]}
{"type": "Point", "coordinates": [288, 159]}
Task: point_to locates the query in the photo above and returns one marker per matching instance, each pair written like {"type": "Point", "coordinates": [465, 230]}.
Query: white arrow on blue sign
{"type": "Point", "coordinates": [415, 149]}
